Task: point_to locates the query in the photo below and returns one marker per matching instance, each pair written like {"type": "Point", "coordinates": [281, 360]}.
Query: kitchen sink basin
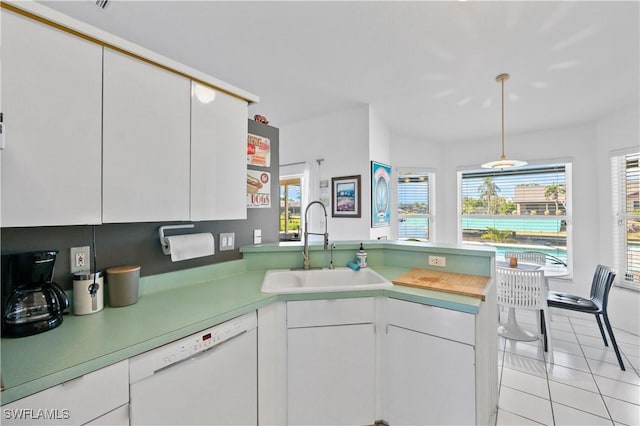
{"type": "Point", "coordinates": [321, 280]}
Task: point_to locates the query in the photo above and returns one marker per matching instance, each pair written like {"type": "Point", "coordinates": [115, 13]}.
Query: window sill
{"type": "Point", "coordinates": [627, 285]}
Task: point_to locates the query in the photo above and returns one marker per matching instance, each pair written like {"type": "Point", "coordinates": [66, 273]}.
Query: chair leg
{"type": "Point", "coordinates": [543, 330]}
{"type": "Point", "coordinates": [604, 337]}
{"type": "Point", "coordinates": [613, 340]}
{"type": "Point", "coordinates": [548, 345]}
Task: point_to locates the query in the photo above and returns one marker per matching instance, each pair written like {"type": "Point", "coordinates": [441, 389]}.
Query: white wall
{"type": "Point", "coordinates": [415, 154]}
{"type": "Point", "coordinates": [347, 140]}
{"type": "Point", "coordinates": [342, 139]}
{"type": "Point", "coordinates": [379, 150]}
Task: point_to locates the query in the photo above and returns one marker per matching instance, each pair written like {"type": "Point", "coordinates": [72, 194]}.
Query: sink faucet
{"type": "Point", "coordinates": [305, 253]}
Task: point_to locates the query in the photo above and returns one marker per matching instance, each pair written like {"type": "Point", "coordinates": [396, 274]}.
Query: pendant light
{"type": "Point", "coordinates": [503, 163]}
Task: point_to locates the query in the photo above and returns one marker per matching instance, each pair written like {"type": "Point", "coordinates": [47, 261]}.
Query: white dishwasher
{"type": "Point", "coordinates": [209, 378]}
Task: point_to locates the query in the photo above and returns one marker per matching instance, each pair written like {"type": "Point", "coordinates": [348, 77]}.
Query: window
{"type": "Point", "coordinates": [290, 202]}
{"type": "Point", "coordinates": [522, 209]}
{"type": "Point", "coordinates": [414, 205]}
{"type": "Point", "coordinates": [626, 210]}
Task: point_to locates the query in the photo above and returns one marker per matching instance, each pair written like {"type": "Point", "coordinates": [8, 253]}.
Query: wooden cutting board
{"type": "Point", "coordinates": [449, 282]}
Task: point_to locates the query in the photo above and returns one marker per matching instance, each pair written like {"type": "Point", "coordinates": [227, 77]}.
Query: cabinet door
{"type": "Point", "coordinates": [51, 104]}
{"type": "Point", "coordinates": [331, 375]}
{"type": "Point", "coordinates": [74, 402]}
{"type": "Point", "coordinates": [427, 380]}
{"type": "Point", "coordinates": [146, 142]}
{"type": "Point", "coordinates": [117, 417]}
{"type": "Point", "coordinates": [218, 155]}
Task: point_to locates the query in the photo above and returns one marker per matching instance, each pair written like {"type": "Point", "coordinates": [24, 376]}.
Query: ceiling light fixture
{"type": "Point", "coordinates": [503, 163]}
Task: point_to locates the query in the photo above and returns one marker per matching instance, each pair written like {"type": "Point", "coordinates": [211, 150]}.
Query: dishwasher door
{"type": "Point", "coordinates": [214, 387]}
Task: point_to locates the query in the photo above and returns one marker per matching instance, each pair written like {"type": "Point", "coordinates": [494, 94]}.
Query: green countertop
{"type": "Point", "coordinates": [171, 306]}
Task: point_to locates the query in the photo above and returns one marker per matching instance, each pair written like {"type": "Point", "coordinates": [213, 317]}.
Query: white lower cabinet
{"type": "Point", "coordinates": [427, 380]}
{"type": "Point", "coordinates": [439, 366]}
{"type": "Point", "coordinates": [76, 402]}
{"type": "Point", "coordinates": [117, 417]}
{"type": "Point", "coordinates": [331, 362]}
{"type": "Point", "coordinates": [361, 360]}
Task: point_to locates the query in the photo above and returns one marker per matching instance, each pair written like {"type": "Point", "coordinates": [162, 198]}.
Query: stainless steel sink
{"type": "Point", "coordinates": [321, 280]}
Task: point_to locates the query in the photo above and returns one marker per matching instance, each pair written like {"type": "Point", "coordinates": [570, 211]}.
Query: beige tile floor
{"type": "Point", "coordinates": [583, 386]}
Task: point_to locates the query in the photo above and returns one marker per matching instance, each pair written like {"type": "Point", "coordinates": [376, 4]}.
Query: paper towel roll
{"type": "Point", "coordinates": [189, 246]}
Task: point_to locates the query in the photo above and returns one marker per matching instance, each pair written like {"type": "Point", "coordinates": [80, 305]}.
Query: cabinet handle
{"type": "Point", "coordinates": [72, 381]}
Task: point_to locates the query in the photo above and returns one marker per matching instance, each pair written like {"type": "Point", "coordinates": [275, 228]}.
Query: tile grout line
{"type": "Point", "coordinates": [572, 332]}
{"type": "Point", "coordinates": [591, 372]}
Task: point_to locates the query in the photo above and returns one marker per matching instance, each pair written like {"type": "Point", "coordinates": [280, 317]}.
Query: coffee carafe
{"type": "Point", "coordinates": [32, 302]}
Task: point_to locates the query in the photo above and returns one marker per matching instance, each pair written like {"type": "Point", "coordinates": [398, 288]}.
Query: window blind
{"type": "Point", "coordinates": [625, 181]}
{"type": "Point", "coordinates": [413, 205]}
{"type": "Point", "coordinates": [526, 208]}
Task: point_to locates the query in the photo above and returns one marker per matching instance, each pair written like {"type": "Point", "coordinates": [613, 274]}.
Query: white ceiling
{"type": "Point", "coordinates": [428, 68]}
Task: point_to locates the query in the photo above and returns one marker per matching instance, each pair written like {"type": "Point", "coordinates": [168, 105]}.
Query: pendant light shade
{"type": "Point", "coordinates": [503, 163]}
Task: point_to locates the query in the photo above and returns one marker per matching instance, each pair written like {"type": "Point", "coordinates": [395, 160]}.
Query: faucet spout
{"type": "Point", "coordinates": [306, 262]}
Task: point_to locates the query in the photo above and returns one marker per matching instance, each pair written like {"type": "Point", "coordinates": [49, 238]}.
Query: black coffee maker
{"type": "Point", "coordinates": [31, 302]}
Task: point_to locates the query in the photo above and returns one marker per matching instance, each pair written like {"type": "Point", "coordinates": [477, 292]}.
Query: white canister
{"type": "Point", "coordinates": [88, 294]}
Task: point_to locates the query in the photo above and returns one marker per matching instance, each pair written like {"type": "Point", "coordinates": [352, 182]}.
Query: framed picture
{"type": "Point", "coordinates": [345, 196]}
{"type": "Point", "coordinates": [380, 195]}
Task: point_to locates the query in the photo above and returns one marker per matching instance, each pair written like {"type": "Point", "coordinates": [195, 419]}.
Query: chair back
{"type": "Point", "coordinates": [527, 256]}
{"type": "Point", "coordinates": [600, 286]}
{"type": "Point", "coordinates": [521, 288]}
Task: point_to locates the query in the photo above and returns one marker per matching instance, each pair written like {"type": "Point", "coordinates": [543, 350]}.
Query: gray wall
{"type": "Point", "coordinates": [139, 243]}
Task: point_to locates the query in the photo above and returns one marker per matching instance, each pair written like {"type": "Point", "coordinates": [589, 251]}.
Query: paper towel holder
{"type": "Point", "coordinates": [163, 239]}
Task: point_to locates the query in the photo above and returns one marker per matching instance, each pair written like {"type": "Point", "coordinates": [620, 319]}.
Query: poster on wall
{"type": "Point", "coordinates": [258, 189]}
{"type": "Point", "coordinates": [258, 151]}
{"type": "Point", "coordinates": [380, 195]}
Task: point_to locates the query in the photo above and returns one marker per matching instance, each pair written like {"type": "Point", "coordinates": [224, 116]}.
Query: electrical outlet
{"type": "Point", "coordinates": [227, 241]}
{"type": "Point", "coordinates": [257, 236]}
{"type": "Point", "coordinates": [440, 261]}
{"type": "Point", "coordinates": [80, 260]}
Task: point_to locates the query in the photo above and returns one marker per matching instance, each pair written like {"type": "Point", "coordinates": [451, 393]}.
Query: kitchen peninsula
{"type": "Point", "coordinates": [423, 340]}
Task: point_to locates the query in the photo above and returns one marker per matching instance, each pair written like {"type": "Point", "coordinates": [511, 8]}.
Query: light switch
{"type": "Point", "coordinates": [257, 236]}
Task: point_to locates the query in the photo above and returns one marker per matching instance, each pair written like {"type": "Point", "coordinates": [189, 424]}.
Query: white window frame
{"type": "Point", "coordinates": [431, 217]}
{"type": "Point", "coordinates": [620, 216]}
{"type": "Point", "coordinates": [288, 178]}
{"type": "Point", "coordinates": [567, 217]}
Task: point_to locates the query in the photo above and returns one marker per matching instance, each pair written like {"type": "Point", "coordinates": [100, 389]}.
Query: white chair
{"type": "Point", "coordinates": [527, 256]}
{"type": "Point", "coordinates": [524, 289]}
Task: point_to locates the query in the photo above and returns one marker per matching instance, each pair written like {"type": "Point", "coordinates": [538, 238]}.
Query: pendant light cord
{"type": "Point", "coordinates": [501, 157]}
{"type": "Point", "coordinates": [501, 78]}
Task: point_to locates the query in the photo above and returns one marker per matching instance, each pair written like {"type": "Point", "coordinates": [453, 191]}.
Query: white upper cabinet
{"type": "Point", "coordinates": [51, 102]}
{"type": "Point", "coordinates": [146, 142]}
{"type": "Point", "coordinates": [218, 155]}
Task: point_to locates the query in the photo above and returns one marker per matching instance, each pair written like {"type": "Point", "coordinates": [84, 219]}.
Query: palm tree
{"type": "Point", "coordinates": [488, 189]}
{"type": "Point", "coordinates": [553, 192]}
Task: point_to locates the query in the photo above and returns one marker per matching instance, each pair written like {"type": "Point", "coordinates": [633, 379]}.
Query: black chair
{"type": "Point", "coordinates": [596, 304]}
